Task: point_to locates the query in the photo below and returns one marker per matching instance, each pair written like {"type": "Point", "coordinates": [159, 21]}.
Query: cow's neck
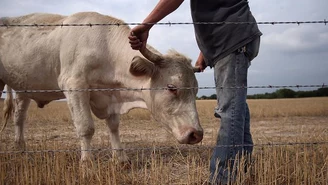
{"type": "Point", "coordinates": [131, 91]}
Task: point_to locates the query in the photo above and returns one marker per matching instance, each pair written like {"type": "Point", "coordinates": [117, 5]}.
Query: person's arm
{"type": "Point", "coordinates": [162, 9]}
{"type": "Point", "coordinates": [139, 34]}
{"type": "Point", "coordinates": [200, 63]}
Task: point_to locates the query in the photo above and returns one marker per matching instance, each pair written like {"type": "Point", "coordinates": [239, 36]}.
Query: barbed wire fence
{"type": "Point", "coordinates": [162, 88]}
{"type": "Point", "coordinates": [166, 147]}
{"type": "Point", "coordinates": [7, 25]}
{"type": "Point", "coordinates": [4, 24]}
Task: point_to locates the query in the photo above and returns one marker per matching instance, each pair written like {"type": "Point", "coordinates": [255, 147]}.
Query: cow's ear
{"type": "Point", "coordinates": [142, 67]}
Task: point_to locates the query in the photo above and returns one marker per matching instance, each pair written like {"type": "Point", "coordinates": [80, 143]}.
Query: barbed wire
{"type": "Point", "coordinates": [4, 25]}
{"type": "Point", "coordinates": [166, 147]}
{"type": "Point", "coordinates": [163, 23]}
{"type": "Point", "coordinates": [162, 88]}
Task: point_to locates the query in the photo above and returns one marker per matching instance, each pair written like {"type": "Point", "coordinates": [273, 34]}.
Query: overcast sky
{"type": "Point", "coordinates": [289, 54]}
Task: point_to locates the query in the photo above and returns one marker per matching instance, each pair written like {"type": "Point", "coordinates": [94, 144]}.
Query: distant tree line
{"type": "Point", "coordinates": [280, 93]}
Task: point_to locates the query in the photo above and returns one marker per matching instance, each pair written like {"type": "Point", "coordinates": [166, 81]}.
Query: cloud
{"type": "Point", "coordinates": [303, 39]}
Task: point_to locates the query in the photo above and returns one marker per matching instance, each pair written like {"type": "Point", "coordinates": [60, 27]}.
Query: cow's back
{"type": "Point", "coordinates": [26, 60]}
{"type": "Point", "coordinates": [35, 18]}
{"type": "Point", "coordinates": [30, 19]}
{"type": "Point", "coordinates": [32, 57]}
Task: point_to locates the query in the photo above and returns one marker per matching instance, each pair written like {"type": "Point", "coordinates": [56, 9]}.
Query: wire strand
{"type": "Point", "coordinates": [166, 147]}
{"type": "Point", "coordinates": [165, 23]}
{"type": "Point", "coordinates": [161, 88]}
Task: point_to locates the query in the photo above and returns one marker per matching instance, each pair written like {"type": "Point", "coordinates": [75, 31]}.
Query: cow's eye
{"type": "Point", "coordinates": [172, 88]}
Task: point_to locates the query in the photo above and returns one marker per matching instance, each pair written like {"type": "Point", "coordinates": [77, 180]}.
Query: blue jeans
{"type": "Point", "coordinates": [230, 75]}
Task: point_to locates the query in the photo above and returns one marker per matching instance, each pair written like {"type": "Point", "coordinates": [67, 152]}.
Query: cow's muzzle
{"type": "Point", "coordinates": [191, 136]}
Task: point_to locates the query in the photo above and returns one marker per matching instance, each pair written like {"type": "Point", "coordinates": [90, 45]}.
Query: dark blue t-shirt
{"type": "Point", "coordinates": [216, 41]}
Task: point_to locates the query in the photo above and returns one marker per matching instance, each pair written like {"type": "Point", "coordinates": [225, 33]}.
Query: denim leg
{"type": "Point", "coordinates": [248, 141]}
{"type": "Point", "coordinates": [230, 72]}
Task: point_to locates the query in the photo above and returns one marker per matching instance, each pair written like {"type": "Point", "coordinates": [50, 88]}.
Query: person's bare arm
{"type": "Point", "coordinates": [139, 34]}
{"type": "Point", "coordinates": [200, 63]}
{"type": "Point", "coordinates": [162, 9]}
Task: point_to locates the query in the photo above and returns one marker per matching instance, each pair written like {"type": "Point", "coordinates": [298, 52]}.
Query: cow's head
{"type": "Point", "coordinates": [173, 104]}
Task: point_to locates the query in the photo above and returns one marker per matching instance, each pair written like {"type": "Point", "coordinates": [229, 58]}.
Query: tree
{"type": "Point", "coordinates": [213, 97]}
{"type": "Point", "coordinates": [203, 97]}
{"type": "Point", "coordinates": [322, 92]}
{"type": "Point", "coordinates": [285, 93]}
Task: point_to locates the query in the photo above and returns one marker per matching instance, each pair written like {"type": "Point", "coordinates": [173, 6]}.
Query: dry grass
{"type": "Point", "coordinates": [161, 160]}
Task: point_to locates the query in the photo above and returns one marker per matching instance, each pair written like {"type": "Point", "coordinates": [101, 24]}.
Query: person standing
{"type": "Point", "coordinates": [228, 46]}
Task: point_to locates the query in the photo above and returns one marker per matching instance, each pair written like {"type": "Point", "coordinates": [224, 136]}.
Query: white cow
{"type": "Point", "coordinates": [33, 58]}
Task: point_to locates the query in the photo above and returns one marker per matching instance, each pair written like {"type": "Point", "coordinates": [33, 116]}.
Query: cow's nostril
{"type": "Point", "coordinates": [192, 136]}
{"type": "Point", "coordinates": [195, 137]}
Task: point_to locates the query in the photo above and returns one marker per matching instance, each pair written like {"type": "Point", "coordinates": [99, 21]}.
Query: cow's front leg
{"type": "Point", "coordinates": [113, 124]}
{"type": "Point", "coordinates": [21, 107]}
{"type": "Point", "coordinates": [78, 103]}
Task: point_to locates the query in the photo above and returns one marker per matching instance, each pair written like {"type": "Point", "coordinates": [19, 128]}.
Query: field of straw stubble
{"type": "Point", "coordinates": [290, 137]}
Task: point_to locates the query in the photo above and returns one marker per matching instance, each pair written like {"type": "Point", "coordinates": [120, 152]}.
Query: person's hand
{"type": "Point", "coordinates": [138, 36]}
{"type": "Point", "coordinates": [200, 63]}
